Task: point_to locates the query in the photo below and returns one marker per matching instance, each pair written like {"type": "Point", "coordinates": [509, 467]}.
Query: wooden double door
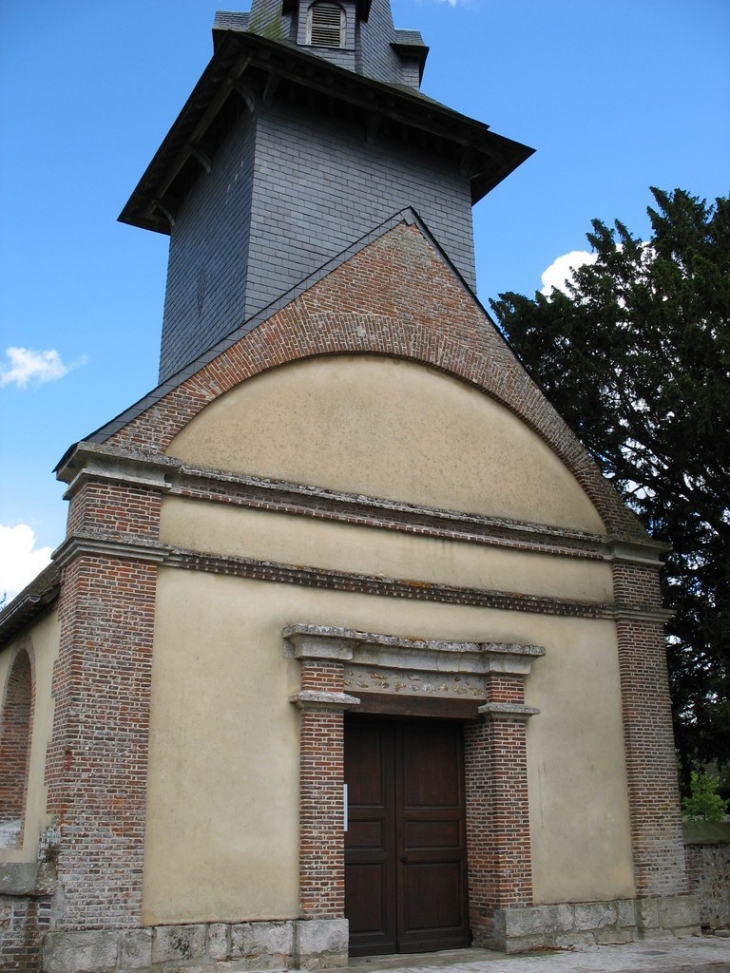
{"type": "Point", "coordinates": [405, 845]}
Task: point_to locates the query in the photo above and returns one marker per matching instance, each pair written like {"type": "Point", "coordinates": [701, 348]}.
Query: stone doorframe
{"type": "Point", "coordinates": [481, 683]}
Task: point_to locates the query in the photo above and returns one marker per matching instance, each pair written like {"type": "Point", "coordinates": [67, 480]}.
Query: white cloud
{"type": "Point", "coordinates": [28, 366]}
{"type": "Point", "coordinates": [20, 559]}
{"type": "Point", "coordinates": [561, 270]}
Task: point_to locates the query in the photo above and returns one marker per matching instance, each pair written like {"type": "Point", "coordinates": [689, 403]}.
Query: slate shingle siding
{"type": "Point", "coordinates": [209, 246]}
{"type": "Point", "coordinates": [283, 200]}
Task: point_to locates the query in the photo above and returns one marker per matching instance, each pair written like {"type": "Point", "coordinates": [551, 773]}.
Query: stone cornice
{"type": "Point", "coordinates": [104, 545]}
{"type": "Point", "coordinates": [177, 478]}
{"type": "Point", "coordinates": [101, 544]}
{"type": "Point", "coordinates": [371, 649]}
{"type": "Point", "coordinates": [89, 461]}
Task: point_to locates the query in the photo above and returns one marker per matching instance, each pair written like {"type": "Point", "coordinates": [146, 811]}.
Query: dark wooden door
{"type": "Point", "coordinates": [405, 847]}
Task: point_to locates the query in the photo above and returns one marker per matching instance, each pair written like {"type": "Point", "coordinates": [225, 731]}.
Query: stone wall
{"type": "Point", "coordinates": [216, 947]}
{"type": "Point", "coordinates": [707, 848]}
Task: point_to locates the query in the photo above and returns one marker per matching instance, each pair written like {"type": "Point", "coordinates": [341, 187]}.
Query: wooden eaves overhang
{"type": "Point", "coordinates": [30, 605]}
{"type": "Point", "coordinates": [247, 69]}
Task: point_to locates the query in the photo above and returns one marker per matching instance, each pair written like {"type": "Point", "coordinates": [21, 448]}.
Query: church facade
{"type": "Point", "coordinates": [349, 648]}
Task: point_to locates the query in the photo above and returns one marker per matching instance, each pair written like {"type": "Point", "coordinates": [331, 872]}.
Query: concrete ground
{"type": "Point", "coordinates": [694, 954]}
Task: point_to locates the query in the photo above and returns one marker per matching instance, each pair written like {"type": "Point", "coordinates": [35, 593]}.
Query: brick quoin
{"type": "Point", "coordinates": [96, 766]}
{"type": "Point", "coordinates": [659, 859]}
{"type": "Point", "coordinates": [497, 809]}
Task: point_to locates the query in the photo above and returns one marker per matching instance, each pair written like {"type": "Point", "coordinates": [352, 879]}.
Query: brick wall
{"type": "Point", "coordinates": [24, 920]}
{"type": "Point", "coordinates": [16, 720]}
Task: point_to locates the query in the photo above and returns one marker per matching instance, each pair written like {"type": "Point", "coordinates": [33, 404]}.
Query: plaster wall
{"type": "Point", "coordinates": [222, 818]}
{"type": "Point", "coordinates": [42, 642]}
{"type": "Point", "coordinates": [392, 429]}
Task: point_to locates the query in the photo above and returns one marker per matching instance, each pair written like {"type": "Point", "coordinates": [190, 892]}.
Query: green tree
{"type": "Point", "coordinates": [635, 355]}
{"type": "Point", "coordinates": [704, 803]}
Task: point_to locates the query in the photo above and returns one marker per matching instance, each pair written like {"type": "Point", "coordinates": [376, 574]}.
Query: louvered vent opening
{"type": "Point", "coordinates": [326, 25]}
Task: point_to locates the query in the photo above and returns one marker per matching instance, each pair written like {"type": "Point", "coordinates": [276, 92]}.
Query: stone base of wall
{"type": "Point", "coordinates": [26, 897]}
{"type": "Point", "coordinates": [314, 944]}
{"type": "Point", "coordinates": [589, 923]}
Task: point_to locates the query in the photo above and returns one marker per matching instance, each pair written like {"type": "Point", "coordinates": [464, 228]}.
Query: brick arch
{"type": "Point", "coordinates": [16, 723]}
{"type": "Point", "coordinates": [396, 297]}
{"type": "Point", "coordinates": [267, 347]}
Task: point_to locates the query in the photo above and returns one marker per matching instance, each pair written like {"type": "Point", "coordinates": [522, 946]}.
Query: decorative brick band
{"type": "Point", "coordinates": [383, 587]}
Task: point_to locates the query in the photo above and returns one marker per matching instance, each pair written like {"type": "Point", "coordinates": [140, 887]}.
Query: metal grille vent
{"type": "Point", "coordinates": [326, 25]}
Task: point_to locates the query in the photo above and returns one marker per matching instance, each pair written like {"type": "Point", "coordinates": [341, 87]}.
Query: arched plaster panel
{"type": "Point", "coordinates": [387, 428]}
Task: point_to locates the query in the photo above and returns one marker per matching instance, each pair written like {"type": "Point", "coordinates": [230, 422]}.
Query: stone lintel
{"type": "Point", "coordinates": [89, 461]}
{"type": "Point", "coordinates": [319, 646]}
{"type": "Point", "coordinates": [422, 655]}
{"type": "Point", "coordinates": [313, 699]}
{"type": "Point", "coordinates": [647, 552]}
{"type": "Point", "coordinates": [515, 712]}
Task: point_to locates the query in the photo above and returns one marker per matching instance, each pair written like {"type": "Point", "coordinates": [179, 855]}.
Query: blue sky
{"type": "Point", "coordinates": [615, 95]}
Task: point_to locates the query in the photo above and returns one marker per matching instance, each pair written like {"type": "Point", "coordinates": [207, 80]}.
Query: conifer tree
{"type": "Point", "coordinates": [635, 355]}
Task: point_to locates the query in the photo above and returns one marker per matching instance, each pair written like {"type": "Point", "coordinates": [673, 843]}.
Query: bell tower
{"type": "Point", "coordinates": [306, 131]}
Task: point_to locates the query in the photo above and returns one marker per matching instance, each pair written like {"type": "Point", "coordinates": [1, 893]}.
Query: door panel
{"type": "Point", "coordinates": [406, 814]}
{"type": "Point", "coordinates": [370, 840]}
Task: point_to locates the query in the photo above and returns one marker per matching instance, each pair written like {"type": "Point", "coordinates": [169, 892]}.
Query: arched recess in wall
{"type": "Point", "coordinates": [15, 735]}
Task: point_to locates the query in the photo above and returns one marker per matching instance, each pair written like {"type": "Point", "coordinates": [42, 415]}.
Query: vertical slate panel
{"type": "Point", "coordinates": [319, 186]}
{"type": "Point", "coordinates": [209, 244]}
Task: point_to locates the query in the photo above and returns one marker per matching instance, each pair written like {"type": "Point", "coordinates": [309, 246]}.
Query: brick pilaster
{"type": "Point", "coordinates": [97, 760]}
{"type": "Point", "coordinates": [322, 773]}
{"type": "Point", "coordinates": [659, 860]}
{"type": "Point", "coordinates": [497, 810]}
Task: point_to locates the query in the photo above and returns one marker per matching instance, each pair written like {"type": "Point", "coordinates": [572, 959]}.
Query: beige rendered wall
{"type": "Point", "coordinates": [222, 820]}
{"type": "Point", "coordinates": [387, 428]}
{"type": "Point", "coordinates": [222, 828]}
{"type": "Point", "coordinates": [42, 643]}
